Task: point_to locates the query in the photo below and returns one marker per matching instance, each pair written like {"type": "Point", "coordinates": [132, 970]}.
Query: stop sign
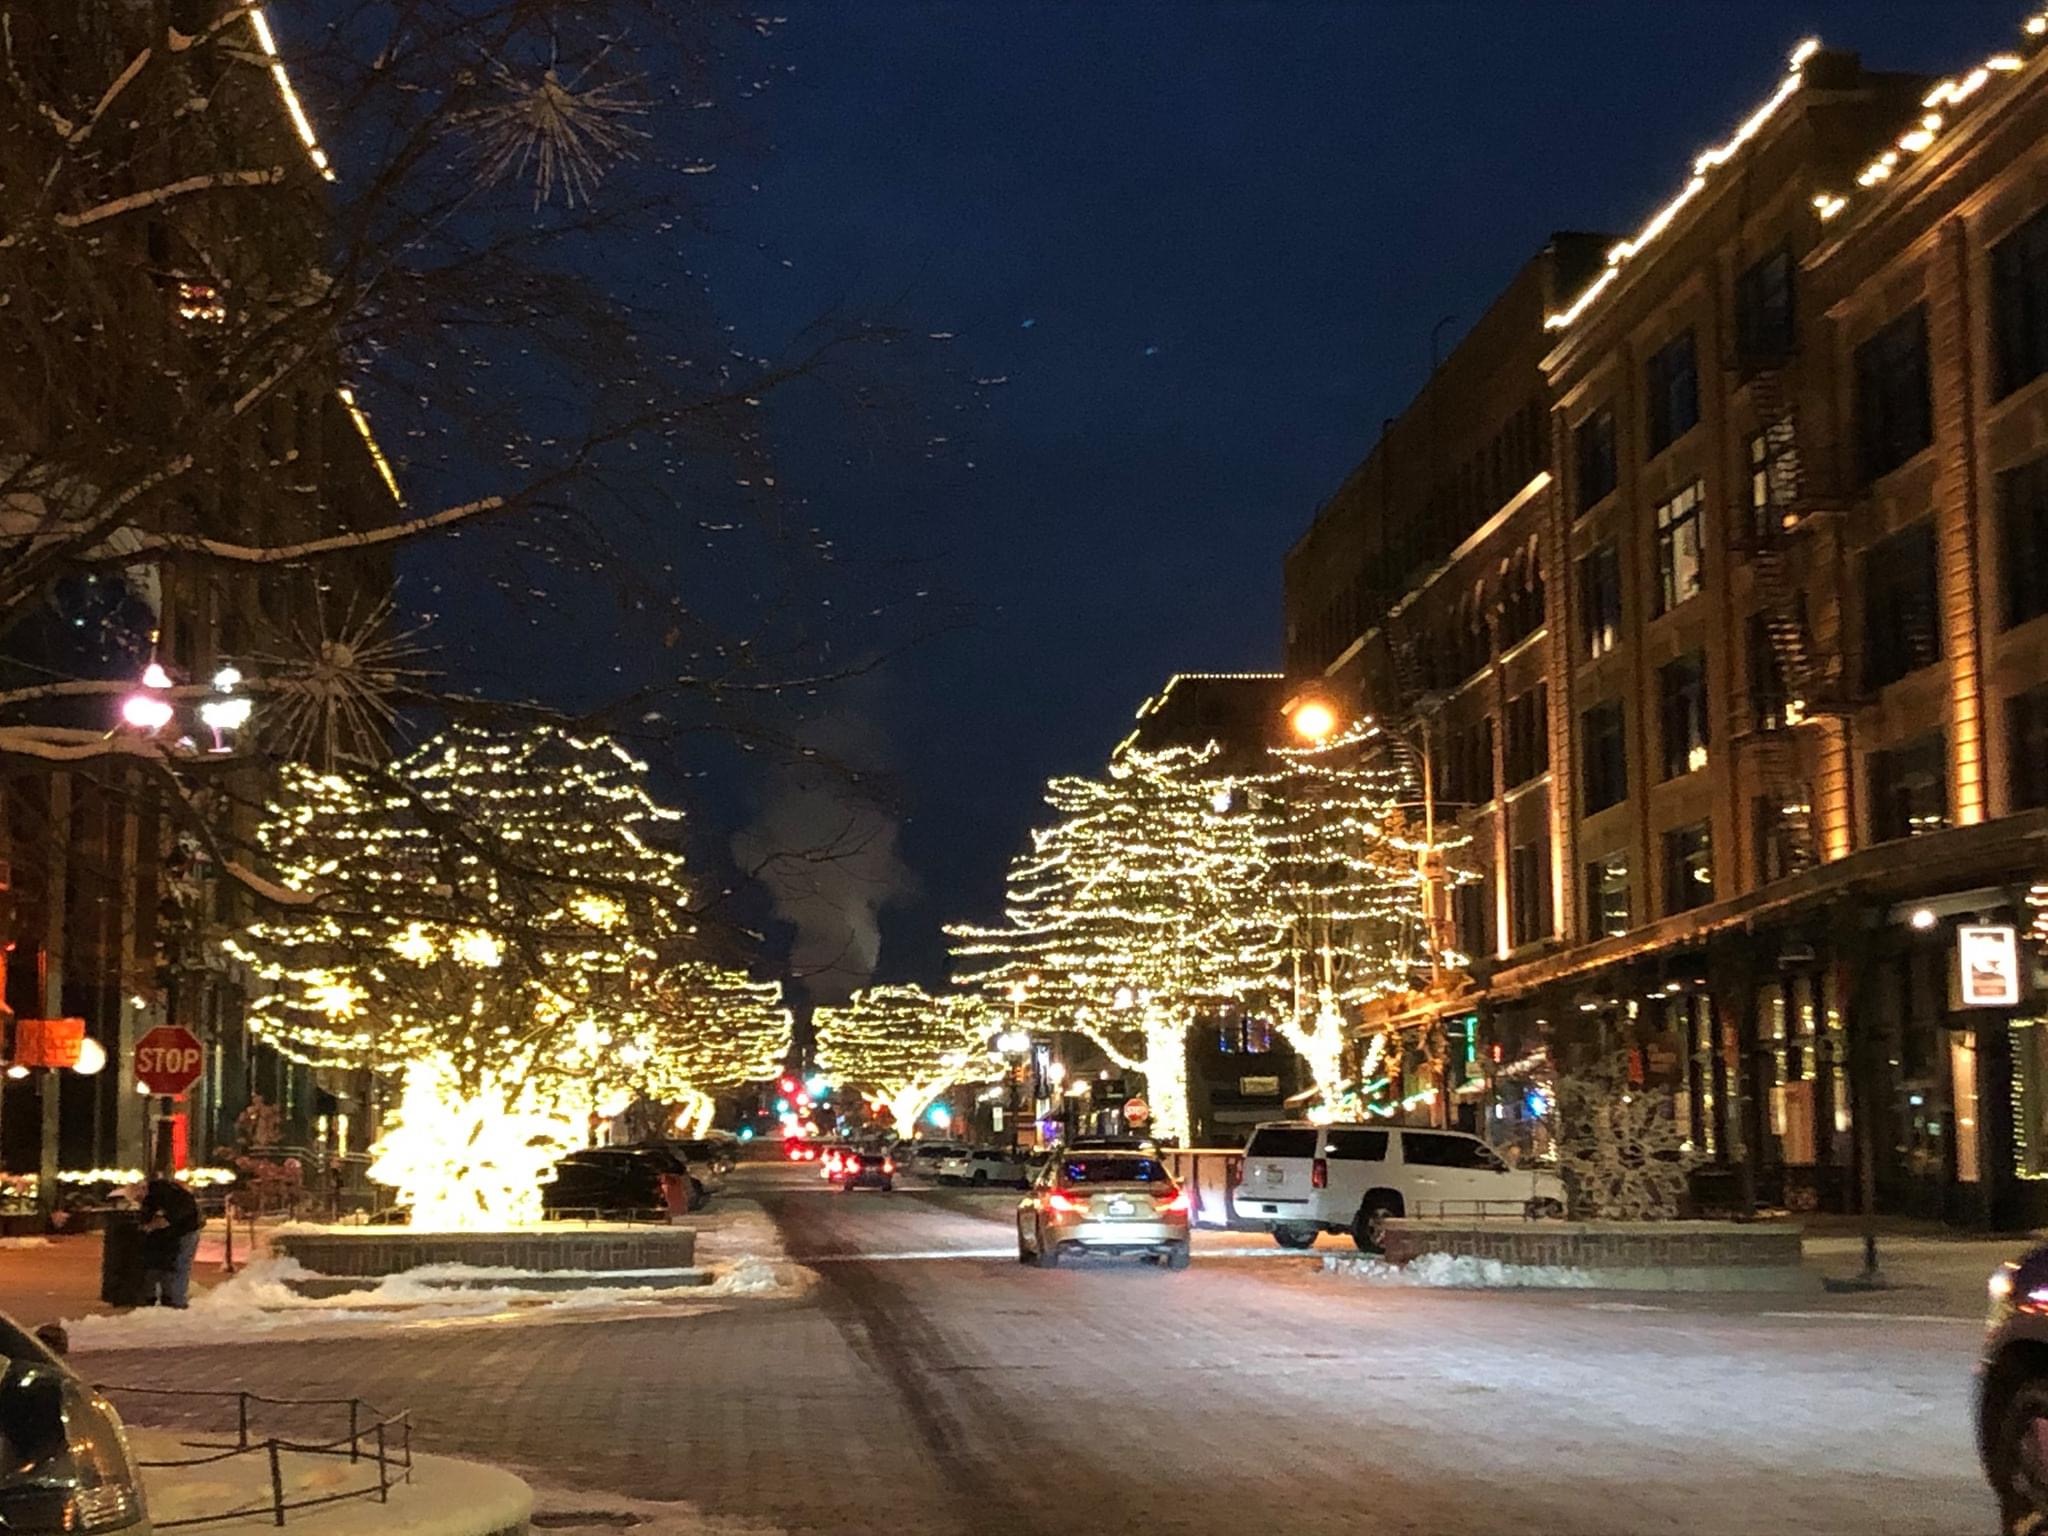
{"type": "Point", "coordinates": [1136, 1112]}
{"type": "Point", "coordinates": [168, 1059]}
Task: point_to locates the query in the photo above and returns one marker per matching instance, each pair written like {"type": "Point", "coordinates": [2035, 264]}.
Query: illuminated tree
{"type": "Point", "coordinates": [1344, 888]}
{"type": "Point", "coordinates": [710, 1030]}
{"type": "Point", "coordinates": [1134, 914]}
{"type": "Point", "coordinates": [484, 915]}
{"type": "Point", "coordinates": [903, 1046]}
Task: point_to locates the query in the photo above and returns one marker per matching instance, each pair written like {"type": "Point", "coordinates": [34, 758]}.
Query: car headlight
{"type": "Point", "coordinates": [2001, 1288]}
{"type": "Point", "coordinates": [66, 1461]}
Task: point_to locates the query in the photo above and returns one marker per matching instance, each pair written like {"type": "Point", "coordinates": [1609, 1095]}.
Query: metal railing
{"type": "Point", "coordinates": [370, 1442]}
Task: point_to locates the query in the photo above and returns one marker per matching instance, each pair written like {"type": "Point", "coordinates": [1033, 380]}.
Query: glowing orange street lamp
{"type": "Point", "coordinates": [1313, 720]}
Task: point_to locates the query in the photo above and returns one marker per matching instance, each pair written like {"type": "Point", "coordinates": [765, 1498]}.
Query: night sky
{"type": "Point", "coordinates": [1193, 253]}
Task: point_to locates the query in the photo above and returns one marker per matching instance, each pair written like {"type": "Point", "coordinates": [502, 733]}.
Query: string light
{"type": "Point", "coordinates": [1708, 160]}
{"type": "Point", "coordinates": [904, 1046]}
{"type": "Point", "coordinates": [286, 93]}
{"type": "Point", "coordinates": [500, 918]}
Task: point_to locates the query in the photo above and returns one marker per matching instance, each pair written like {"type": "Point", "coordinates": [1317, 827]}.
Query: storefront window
{"type": "Point", "coordinates": [1788, 1020]}
{"type": "Point", "coordinates": [1962, 1067]}
{"type": "Point", "coordinates": [2030, 1098]}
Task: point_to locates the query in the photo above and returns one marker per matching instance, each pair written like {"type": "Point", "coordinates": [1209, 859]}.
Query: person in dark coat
{"type": "Point", "coordinates": [170, 1237]}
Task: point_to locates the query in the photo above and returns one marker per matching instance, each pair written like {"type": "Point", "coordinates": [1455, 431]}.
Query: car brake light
{"type": "Point", "coordinates": [1319, 1173]}
{"type": "Point", "coordinates": [1180, 1201]}
{"type": "Point", "coordinates": [1066, 1203]}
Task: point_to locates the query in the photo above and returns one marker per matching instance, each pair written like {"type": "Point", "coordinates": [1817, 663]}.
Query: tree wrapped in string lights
{"type": "Point", "coordinates": [710, 1029]}
{"type": "Point", "coordinates": [485, 918]}
{"type": "Point", "coordinates": [1134, 914]}
{"type": "Point", "coordinates": [1344, 888]}
{"type": "Point", "coordinates": [903, 1046]}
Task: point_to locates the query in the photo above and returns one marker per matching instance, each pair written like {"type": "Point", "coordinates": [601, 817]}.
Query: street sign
{"type": "Point", "coordinates": [168, 1060]}
{"type": "Point", "coordinates": [1988, 965]}
{"type": "Point", "coordinates": [1136, 1113]}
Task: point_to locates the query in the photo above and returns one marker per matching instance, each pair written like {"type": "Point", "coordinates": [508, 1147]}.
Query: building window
{"type": "Point", "coordinates": [1521, 598]}
{"type": "Point", "coordinates": [2019, 303]}
{"type": "Point", "coordinates": [2023, 521]}
{"type": "Point", "coordinates": [1909, 789]}
{"type": "Point", "coordinates": [1607, 908]}
{"type": "Point", "coordinates": [1678, 548]}
{"type": "Point", "coordinates": [1782, 828]}
{"type": "Point", "coordinates": [1604, 749]}
{"type": "Point", "coordinates": [1245, 1037]}
{"type": "Point", "coordinates": [1763, 309]}
{"type": "Point", "coordinates": [1901, 607]}
{"type": "Point", "coordinates": [1773, 480]}
{"type": "Point", "coordinates": [1600, 600]}
{"type": "Point", "coordinates": [1528, 735]}
{"type": "Point", "coordinates": [1466, 772]}
{"type": "Point", "coordinates": [1894, 419]}
{"type": "Point", "coordinates": [1682, 708]}
{"type": "Point", "coordinates": [1472, 914]}
{"type": "Point", "coordinates": [1529, 909]}
{"type": "Point", "coordinates": [1593, 442]}
{"type": "Point", "coordinates": [2027, 747]}
{"type": "Point", "coordinates": [1672, 386]}
{"type": "Point", "coordinates": [1688, 868]}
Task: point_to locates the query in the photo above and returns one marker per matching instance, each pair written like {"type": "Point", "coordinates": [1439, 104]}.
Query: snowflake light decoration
{"type": "Point", "coordinates": [331, 700]}
{"type": "Point", "coordinates": [560, 131]}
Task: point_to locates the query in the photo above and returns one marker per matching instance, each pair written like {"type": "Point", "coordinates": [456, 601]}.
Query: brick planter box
{"type": "Point", "coordinates": [393, 1250]}
{"type": "Point", "coordinates": [1620, 1255]}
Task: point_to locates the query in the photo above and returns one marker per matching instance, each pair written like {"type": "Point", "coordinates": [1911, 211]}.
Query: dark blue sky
{"type": "Point", "coordinates": [1204, 245]}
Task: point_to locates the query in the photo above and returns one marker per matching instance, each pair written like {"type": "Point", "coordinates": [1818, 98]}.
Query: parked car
{"type": "Point", "coordinates": [984, 1165]}
{"type": "Point", "coordinates": [615, 1182]}
{"type": "Point", "coordinates": [697, 1166]}
{"type": "Point", "coordinates": [1297, 1179]}
{"type": "Point", "coordinates": [711, 1157]}
{"type": "Point", "coordinates": [2012, 1392]}
{"type": "Point", "coordinates": [1111, 1202]}
{"type": "Point", "coordinates": [927, 1155]}
{"type": "Point", "coordinates": [871, 1169]}
{"type": "Point", "coordinates": [67, 1465]}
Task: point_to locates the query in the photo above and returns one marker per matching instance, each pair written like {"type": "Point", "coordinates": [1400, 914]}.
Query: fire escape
{"type": "Point", "coordinates": [1805, 692]}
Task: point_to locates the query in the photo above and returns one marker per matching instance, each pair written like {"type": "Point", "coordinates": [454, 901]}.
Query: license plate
{"type": "Point", "coordinates": [1121, 1208]}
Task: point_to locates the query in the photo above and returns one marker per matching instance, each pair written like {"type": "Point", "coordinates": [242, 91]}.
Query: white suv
{"type": "Point", "coordinates": [1297, 1179]}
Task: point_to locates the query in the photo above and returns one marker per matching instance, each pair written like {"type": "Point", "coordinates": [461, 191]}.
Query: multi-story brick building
{"type": "Point", "coordinates": [1791, 733]}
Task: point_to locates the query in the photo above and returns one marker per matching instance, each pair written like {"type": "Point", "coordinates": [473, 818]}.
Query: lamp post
{"type": "Point", "coordinates": [1015, 1044]}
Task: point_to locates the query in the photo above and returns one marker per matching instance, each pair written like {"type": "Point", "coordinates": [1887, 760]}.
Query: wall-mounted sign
{"type": "Point", "coordinates": [1259, 1087]}
{"type": "Point", "coordinates": [1988, 966]}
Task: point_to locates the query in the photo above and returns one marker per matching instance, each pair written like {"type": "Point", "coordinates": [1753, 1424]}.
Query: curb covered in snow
{"type": "Point", "coordinates": [446, 1497]}
{"type": "Point", "coordinates": [1445, 1271]}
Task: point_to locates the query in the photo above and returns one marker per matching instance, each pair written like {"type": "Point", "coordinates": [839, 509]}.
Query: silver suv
{"type": "Point", "coordinates": [1297, 1179]}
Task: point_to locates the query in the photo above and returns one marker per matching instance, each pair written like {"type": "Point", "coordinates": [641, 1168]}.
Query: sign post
{"type": "Point", "coordinates": [168, 1061]}
{"type": "Point", "coordinates": [1137, 1113]}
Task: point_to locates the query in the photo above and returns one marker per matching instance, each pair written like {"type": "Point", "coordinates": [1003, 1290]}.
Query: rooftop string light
{"type": "Point", "coordinates": [1705, 162]}
{"type": "Point", "coordinates": [286, 93]}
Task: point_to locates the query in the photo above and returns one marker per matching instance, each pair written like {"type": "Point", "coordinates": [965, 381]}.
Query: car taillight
{"type": "Point", "coordinates": [1065, 1204]}
{"type": "Point", "coordinates": [1233, 1171]}
{"type": "Point", "coordinates": [1319, 1173]}
{"type": "Point", "coordinates": [888, 1165]}
{"type": "Point", "coordinates": [1181, 1201]}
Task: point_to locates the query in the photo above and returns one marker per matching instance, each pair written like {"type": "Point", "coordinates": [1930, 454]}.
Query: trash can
{"type": "Point", "coordinates": [121, 1260]}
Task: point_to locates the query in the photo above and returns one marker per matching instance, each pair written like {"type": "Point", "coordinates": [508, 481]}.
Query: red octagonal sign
{"type": "Point", "coordinates": [169, 1059]}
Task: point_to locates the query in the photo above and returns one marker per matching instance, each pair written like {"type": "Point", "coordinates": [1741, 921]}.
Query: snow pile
{"type": "Point", "coordinates": [259, 1302]}
{"type": "Point", "coordinates": [24, 1242]}
{"type": "Point", "coordinates": [1443, 1271]}
{"type": "Point", "coordinates": [581, 1513]}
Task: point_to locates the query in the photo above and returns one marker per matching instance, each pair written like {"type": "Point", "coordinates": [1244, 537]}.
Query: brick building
{"type": "Point", "coordinates": [1770, 721]}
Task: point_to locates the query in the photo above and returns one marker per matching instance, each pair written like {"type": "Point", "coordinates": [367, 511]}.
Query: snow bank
{"type": "Point", "coordinates": [1444, 1271]}
{"type": "Point", "coordinates": [259, 1303]}
{"type": "Point", "coordinates": [582, 1513]}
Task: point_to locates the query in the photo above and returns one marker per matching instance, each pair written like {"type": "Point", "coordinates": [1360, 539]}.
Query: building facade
{"type": "Point", "coordinates": [1770, 729]}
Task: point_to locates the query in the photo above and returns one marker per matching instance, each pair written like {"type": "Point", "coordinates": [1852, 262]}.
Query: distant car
{"type": "Point", "coordinates": [927, 1155]}
{"type": "Point", "coordinates": [868, 1170]}
{"type": "Point", "coordinates": [68, 1466]}
{"type": "Point", "coordinates": [800, 1149]}
{"type": "Point", "coordinates": [984, 1165]}
{"type": "Point", "coordinates": [1143, 1144]}
{"type": "Point", "coordinates": [1111, 1202]}
{"type": "Point", "coordinates": [2012, 1393]}
{"type": "Point", "coordinates": [1297, 1179]}
{"type": "Point", "coordinates": [697, 1166]}
{"type": "Point", "coordinates": [713, 1153]}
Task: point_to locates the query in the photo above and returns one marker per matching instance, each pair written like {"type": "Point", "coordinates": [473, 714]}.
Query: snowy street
{"type": "Point", "coordinates": [928, 1384]}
